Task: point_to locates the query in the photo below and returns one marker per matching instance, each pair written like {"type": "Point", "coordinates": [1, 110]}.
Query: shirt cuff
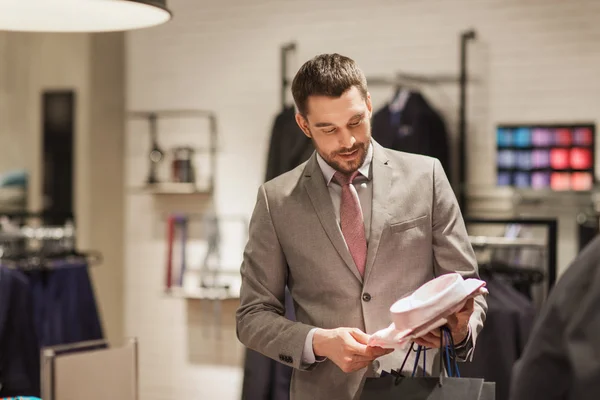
{"type": "Point", "coordinates": [465, 341]}
{"type": "Point", "coordinates": [308, 354]}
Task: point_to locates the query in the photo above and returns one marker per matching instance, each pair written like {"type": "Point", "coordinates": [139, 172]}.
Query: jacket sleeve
{"type": "Point", "coordinates": [561, 358]}
{"type": "Point", "coordinates": [452, 251]}
{"type": "Point", "coordinates": [261, 324]}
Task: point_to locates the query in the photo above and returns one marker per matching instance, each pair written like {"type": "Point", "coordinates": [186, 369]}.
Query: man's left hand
{"type": "Point", "coordinates": [457, 323]}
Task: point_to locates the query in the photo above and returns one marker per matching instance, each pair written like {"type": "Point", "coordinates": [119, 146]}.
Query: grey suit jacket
{"type": "Point", "coordinates": [417, 233]}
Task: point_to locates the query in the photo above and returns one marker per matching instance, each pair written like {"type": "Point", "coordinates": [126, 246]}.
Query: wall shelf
{"type": "Point", "coordinates": [170, 188]}
{"type": "Point", "coordinates": [201, 293]}
{"type": "Point", "coordinates": [157, 154]}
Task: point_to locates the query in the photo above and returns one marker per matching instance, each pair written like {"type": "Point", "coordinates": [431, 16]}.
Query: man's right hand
{"type": "Point", "coordinates": [346, 347]}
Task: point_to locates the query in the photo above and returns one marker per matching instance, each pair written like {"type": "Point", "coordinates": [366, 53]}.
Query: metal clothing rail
{"type": "Point", "coordinates": [465, 37]}
{"type": "Point", "coordinates": [551, 240]}
{"type": "Point", "coordinates": [496, 241]}
{"type": "Point", "coordinates": [40, 233]}
{"type": "Point", "coordinates": [404, 78]}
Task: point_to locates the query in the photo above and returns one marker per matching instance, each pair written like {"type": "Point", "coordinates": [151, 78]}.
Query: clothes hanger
{"type": "Point", "coordinates": [400, 98]}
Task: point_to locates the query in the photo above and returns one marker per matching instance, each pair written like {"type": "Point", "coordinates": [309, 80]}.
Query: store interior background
{"type": "Point", "coordinates": [532, 61]}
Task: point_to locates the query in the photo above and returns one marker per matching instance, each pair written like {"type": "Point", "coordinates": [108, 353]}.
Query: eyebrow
{"type": "Point", "coordinates": [326, 124]}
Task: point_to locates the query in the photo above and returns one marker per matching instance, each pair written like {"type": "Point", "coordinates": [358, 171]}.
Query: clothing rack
{"type": "Point", "coordinates": [40, 233]}
{"type": "Point", "coordinates": [465, 38]}
{"type": "Point", "coordinates": [496, 241]}
{"type": "Point", "coordinates": [28, 241]}
{"type": "Point", "coordinates": [408, 78]}
{"type": "Point", "coordinates": [404, 78]}
{"type": "Point", "coordinates": [550, 242]}
{"type": "Point", "coordinates": [530, 274]}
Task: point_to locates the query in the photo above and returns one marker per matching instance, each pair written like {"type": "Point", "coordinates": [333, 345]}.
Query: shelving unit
{"type": "Point", "coordinates": [170, 188]}
{"type": "Point", "coordinates": [155, 187]}
{"type": "Point", "coordinates": [200, 293]}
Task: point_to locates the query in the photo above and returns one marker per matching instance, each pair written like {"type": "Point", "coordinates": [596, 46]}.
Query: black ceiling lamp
{"type": "Point", "coordinates": [81, 15]}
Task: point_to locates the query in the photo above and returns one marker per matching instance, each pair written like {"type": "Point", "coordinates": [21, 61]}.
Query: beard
{"type": "Point", "coordinates": [337, 162]}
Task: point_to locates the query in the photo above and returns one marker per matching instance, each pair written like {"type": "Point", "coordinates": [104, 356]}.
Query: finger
{"type": "Point", "coordinates": [357, 358]}
{"type": "Point", "coordinates": [427, 342]}
{"type": "Point", "coordinates": [436, 333]}
{"type": "Point", "coordinates": [468, 307]}
{"type": "Point", "coordinates": [362, 358]}
{"type": "Point", "coordinates": [359, 365]}
{"type": "Point", "coordinates": [432, 337]}
{"type": "Point", "coordinates": [354, 345]}
{"type": "Point", "coordinates": [470, 303]}
{"type": "Point", "coordinates": [452, 321]}
{"type": "Point", "coordinates": [376, 352]}
{"type": "Point", "coordinates": [352, 364]}
{"type": "Point", "coordinates": [359, 336]}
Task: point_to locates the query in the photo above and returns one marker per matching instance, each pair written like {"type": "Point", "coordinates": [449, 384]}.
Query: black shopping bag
{"type": "Point", "coordinates": [488, 392]}
{"type": "Point", "coordinates": [396, 386]}
{"type": "Point", "coordinates": [423, 388]}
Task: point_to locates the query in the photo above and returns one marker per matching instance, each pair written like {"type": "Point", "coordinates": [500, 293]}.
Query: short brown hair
{"type": "Point", "coordinates": [326, 75]}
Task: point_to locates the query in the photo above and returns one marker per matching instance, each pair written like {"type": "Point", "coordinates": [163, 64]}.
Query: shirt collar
{"type": "Point", "coordinates": [329, 171]}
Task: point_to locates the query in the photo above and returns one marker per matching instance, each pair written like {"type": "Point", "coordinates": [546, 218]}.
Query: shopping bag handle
{"type": "Point", "coordinates": [447, 355]}
{"type": "Point", "coordinates": [449, 351]}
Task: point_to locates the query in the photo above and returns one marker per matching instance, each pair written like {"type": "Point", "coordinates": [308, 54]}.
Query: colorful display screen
{"type": "Point", "coordinates": [546, 157]}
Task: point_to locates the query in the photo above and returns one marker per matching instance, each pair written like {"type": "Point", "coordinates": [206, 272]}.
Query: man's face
{"type": "Point", "coordinates": [340, 128]}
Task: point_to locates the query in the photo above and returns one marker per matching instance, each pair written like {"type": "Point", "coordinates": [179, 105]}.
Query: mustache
{"type": "Point", "coordinates": [350, 150]}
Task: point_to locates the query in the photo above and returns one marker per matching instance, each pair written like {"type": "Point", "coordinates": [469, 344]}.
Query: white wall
{"type": "Point", "coordinates": [92, 66]}
{"type": "Point", "coordinates": [535, 61]}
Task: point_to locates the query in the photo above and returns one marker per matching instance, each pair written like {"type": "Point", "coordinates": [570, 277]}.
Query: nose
{"type": "Point", "coordinates": [346, 139]}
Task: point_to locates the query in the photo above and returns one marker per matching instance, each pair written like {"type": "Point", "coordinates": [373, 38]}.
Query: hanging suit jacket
{"type": "Point", "coordinates": [264, 378]}
{"type": "Point", "coordinates": [19, 347]}
{"type": "Point", "coordinates": [288, 147]}
{"type": "Point", "coordinates": [418, 129]}
{"type": "Point", "coordinates": [561, 359]}
{"type": "Point", "coordinates": [417, 233]}
{"type": "Point", "coordinates": [64, 303]}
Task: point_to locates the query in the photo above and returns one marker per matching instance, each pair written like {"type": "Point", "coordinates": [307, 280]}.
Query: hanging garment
{"type": "Point", "coordinates": [502, 340]}
{"type": "Point", "coordinates": [19, 347]}
{"type": "Point", "coordinates": [65, 309]}
{"type": "Point", "coordinates": [288, 146]}
{"type": "Point", "coordinates": [414, 127]}
{"type": "Point", "coordinates": [264, 378]}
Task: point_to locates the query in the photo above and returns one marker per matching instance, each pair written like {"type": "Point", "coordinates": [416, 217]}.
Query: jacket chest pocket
{"type": "Point", "coordinates": [409, 225]}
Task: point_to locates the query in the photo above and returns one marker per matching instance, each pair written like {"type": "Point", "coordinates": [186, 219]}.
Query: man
{"type": "Point", "coordinates": [562, 357]}
{"type": "Point", "coordinates": [346, 250]}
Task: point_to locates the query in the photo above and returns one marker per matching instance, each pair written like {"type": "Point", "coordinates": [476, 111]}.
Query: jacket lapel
{"type": "Point", "coordinates": [382, 182]}
{"type": "Point", "coordinates": [321, 201]}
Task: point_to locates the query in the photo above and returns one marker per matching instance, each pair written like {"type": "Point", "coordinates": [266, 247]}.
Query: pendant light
{"type": "Point", "coordinates": [81, 15]}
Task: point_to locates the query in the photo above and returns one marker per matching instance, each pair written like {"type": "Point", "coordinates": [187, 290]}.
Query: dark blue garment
{"type": "Point", "coordinates": [19, 348]}
{"type": "Point", "coordinates": [65, 308]}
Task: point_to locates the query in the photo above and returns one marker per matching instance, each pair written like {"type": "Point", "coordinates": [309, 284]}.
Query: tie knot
{"type": "Point", "coordinates": [344, 179]}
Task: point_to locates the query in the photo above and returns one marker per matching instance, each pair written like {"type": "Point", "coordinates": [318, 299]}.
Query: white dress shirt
{"type": "Point", "coordinates": [361, 188]}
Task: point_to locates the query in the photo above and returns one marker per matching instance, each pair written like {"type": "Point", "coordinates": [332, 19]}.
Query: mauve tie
{"type": "Point", "coordinates": [353, 227]}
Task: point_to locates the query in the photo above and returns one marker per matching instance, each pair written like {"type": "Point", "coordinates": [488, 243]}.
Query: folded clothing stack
{"type": "Point", "coordinates": [426, 309]}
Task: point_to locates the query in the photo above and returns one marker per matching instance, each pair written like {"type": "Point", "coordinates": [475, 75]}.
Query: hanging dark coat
{"type": "Point", "coordinates": [418, 128]}
{"type": "Point", "coordinates": [264, 378]}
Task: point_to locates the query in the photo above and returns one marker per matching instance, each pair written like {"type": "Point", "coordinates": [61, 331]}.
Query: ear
{"type": "Point", "coordinates": [303, 124]}
{"type": "Point", "coordinates": [369, 104]}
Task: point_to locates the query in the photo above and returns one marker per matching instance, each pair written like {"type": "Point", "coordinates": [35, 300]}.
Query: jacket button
{"type": "Point", "coordinates": [366, 297]}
